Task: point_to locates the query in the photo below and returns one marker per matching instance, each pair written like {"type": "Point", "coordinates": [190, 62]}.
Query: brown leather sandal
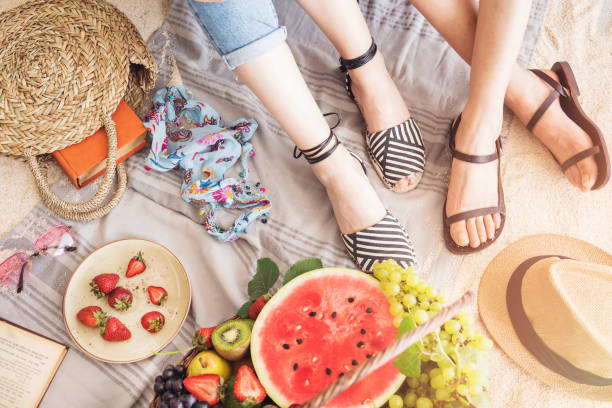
{"type": "Point", "coordinates": [567, 91]}
{"type": "Point", "coordinates": [501, 206]}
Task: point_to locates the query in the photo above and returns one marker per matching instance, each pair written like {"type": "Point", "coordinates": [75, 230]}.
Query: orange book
{"type": "Point", "coordinates": [86, 161]}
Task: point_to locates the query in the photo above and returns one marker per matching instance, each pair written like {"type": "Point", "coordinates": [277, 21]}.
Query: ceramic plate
{"type": "Point", "coordinates": [163, 269]}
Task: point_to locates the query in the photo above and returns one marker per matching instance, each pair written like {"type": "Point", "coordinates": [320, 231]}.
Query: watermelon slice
{"type": "Point", "coordinates": [318, 327]}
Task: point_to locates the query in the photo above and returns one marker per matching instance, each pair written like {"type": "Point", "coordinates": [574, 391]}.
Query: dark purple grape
{"type": "Point", "coordinates": [159, 388]}
{"type": "Point", "coordinates": [177, 386]}
{"type": "Point", "coordinates": [168, 374]}
{"type": "Point", "coordinates": [188, 400]}
{"type": "Point", "coordinates": [218, 405]}
{"type": "Point", "coordinates": [164, 404]}
{"type": "Point", "coordinates": [169, 367]}
{"type": "Point", "coordinates": [168, 384]}
{"type": "Point", "coordinates": [159, 379]}
{"type": "Point", "coordinates": [167, 396]}
{"type": "Point", "coordinates": [201, 404]}
{"type": "Point", "coordinates": [175, 403]}
{"type": "Point", "coordinates": [179, 370]}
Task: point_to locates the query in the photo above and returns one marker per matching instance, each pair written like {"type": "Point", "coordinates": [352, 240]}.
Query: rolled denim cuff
{"type": "Point", "coordinates": [256, 48]}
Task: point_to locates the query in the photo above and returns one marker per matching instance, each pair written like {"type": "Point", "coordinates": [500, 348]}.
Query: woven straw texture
{"type": "Point", "coordinates": [64, 64]}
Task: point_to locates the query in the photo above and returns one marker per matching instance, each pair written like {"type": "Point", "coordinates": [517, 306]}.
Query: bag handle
{"type": "Point", "coordinates": [388, 354]}
{"type": "Point", "coordinates": [94, 207]}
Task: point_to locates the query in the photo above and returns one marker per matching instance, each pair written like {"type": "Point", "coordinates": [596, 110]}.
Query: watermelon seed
{"type": "Point", "coordinates": [314, 359]}
{"type": "Point", "coordinates": [334, 315]}
{"type": "Point", "coordinates": [340, 375]}
{"type": "Point", "coordinates": [362, 331]}
{"type": "Point", "coordinates": [360, 344]}
{"type": "Point", "coordinates": [369, 310]}
{"type": "Point", "coordinates": [368, 356]}
{"type": "Point", "coordinates": [286, 346]}
{"type": "Point", "coordinates": [327, 371]}
{"type": "Point", "coordinates": [351, 300]}
{"type": "Point", "coordinates": [354, 362]}
{"type": "Point", "coordinates": [295, 367]}
{"type": "Point", "coordinates": [312, 314]}
{"type": "Point", "coordinates": [299, 341]}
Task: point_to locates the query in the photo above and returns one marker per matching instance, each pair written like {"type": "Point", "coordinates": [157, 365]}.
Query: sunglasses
{"type": "Point", "coordinates": [53, 242]}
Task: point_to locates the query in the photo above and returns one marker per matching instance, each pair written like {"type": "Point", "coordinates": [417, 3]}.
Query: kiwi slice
{"type": "Point", "coordinates": [231, 339]}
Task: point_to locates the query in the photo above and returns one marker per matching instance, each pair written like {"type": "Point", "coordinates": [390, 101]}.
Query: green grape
{"type": "Point", "coordinates": [462, 389]}
{"type": "Point", "coordinates": [420, 316]}
{"type": "Point", "coordinates": [441, 297]}
{"type": "Point", "coordinates": [411, 280]}
{"type": "Point", "coordinates": [442, 395]}
{"type": "Point", "coordinates": [421, 285]}
{"type": "Point", "coordinates": [397, 320]}
{"type": "Point", "coordinates": [395, 277]}
{"type": "Point", "coordinates": [483, 343]}
{"type": "Point", "coordinates": [468, 332]}
{"type": "Point", "coordinates": [422, 297]}
{"type": "Point", "coordinates": [452, 326]}
{"type": "Point", "coordinates": [474, 377]}
{"type": "Point", "coordinates": [408, 300]}
{"type": "Point", "coordinates": [392, 289]}
{"type": "Point", "coordinates": [431, 291]}
{"type": "Point", "coordinates": [435, 306]}
{"type": "Point", "coordinates": [436, 357]}
{"type": "Point", "coordinates": [423, 378]}
{"type": "Point", "coordinates": [435, 372]}
{"type": "Point", "coordinates": [396, 308]}
{"type": "Point", "coordinates": [424, 305]}
{"type": "Point", "coordinates": [396, 402]}
{"type": "Point", "coordinates": [465, 319]}
{"type": "Point", "coordinates": [444, 335]}
{"type": "Point", "coordinates": [380, 273]}
{"type": "Point", "coordinates": [437, 382]}
{"type": "Point", "coordinates": [424, 402]}
{"type": "Point", "coordinates": [410, 400]}
{"type": "Point", "coordinates": [458, 338]}
{"type": "Point", "coordinates": [476, 390]}
{"type": "Point", "coordinates": [448, 373]}
{"type": "Point", "coordinates": [412, 382]}
{"type": "Point", "coordinates": [444, 363]}
{"type": "Point", "coordinates": [425, 357]}
{"type": "Point", "coordinates": [431, 313]}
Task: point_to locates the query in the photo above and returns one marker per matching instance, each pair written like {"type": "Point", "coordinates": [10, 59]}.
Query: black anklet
{"type": "Point", "coordinates": [346, 64]}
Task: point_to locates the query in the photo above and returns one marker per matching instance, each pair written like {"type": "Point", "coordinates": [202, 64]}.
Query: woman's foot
{"type": "Point", "coordinates": [561, 135]}
{"type": "Point", "coordinates": [381, 104]}
{"type": "Point", "coordinates": [355, 203]}
{"type": "Point", "coordinates": [474, 185]}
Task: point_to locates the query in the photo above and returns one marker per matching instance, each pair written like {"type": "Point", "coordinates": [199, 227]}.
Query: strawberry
{"type": "Point", "coordinates": [120, 298]}
{"type": "Point", "coordinates": [136, 266]}
{"type": "Point", "coordinates": [205, 387]}
{"type": "Point", "coordinates": [247, 387]}
{"type": "Point", "coordinates": [102, 284]}
{"type": "Point", "coordinates": [203, 338]}
{"type": "Point", "coordinates": [157, 294]}
{"type": "Point", "coordinates": [153, 321]}
{"type": "Point", "coordinates": [256, 307]}
{"type": "Point", "coordinates": [92, 316]}
{"type": "Point", "coordinates": [114, 330]}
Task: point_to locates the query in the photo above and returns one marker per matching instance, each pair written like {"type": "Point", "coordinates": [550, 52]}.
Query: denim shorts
{"type": "Point", "coordinates": [240, 29]}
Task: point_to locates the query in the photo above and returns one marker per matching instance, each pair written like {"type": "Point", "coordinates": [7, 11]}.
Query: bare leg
{"type": "Point", "coordinates": [276, 80]}
{"type": "Point", "coordinates": [379, 99]}
{"type": "Point", "coordinates": [456, 22]}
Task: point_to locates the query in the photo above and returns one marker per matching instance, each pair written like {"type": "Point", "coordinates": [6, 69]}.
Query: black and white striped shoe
{"type": "Point", "coordinates": [387, 239]}
{"type": "Point", "coordinates": [397, 152]}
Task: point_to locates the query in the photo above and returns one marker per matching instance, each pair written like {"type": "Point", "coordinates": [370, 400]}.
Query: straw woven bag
{"type": "Point", "coordinates": [64, 67]}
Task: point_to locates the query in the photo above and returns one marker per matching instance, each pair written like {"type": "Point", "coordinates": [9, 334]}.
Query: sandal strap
{"type": "Point", "coordinates": [558, 90]}
{"type": "Point", "coordinates": [354, 63]}
{"type": "Point", "coordinates": [470, 158]}
{"type": "Point", "coordinates": [479, 212]}
{"type": "Point", "coordinates": [319, 152]}
{"type": "Point", "coordinates": [591, 151]}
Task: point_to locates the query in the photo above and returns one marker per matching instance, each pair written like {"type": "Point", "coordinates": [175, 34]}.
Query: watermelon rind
{"type": "Point", "coordinates": [262, 373]}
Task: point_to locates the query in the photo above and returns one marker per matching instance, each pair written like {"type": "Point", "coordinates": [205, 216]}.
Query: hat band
{"type": "Point", "coordinates": [530, 339]}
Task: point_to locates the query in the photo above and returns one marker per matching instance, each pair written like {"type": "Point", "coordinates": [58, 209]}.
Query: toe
{"type": "Point", "coordinates": [472, 232]}
{"type": "Point", "coordinates": [497, 220]}
{"type": "Point", "coordinates": [459, 233]}
{"type": "Point", "coordinates": [573, 175]}
{"type": "Point", "coordinates": [489, 226]}
{"type": "Point", "coordinates": [588, 173]}
{"type": "Point", "coordinates": [407, 183]}
{"type": "Point", "coordinates": [480, 228]}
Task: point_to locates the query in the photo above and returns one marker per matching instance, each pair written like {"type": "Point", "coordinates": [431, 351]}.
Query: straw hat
{"type": "Point", "coordinates": [64, 67]}
{"type": "Point", "coordinates": [547, 302]}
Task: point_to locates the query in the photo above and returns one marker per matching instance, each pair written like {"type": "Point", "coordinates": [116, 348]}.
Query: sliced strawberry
{"type": "Point", "coordinates": [137, 265]}
{"type": "Point", "coordinates": [256, 307]}
{"type": "Point", "coordinates": [120, 298]}
{"type": "Point", "coordinates": [102, 284]}
{"type": "Point", "coordinates": [247, 386]}
{"type": "Point", "coordinates": [157, 294]}
{"type": "Point", "coordinates": [205, 387]}
{"type": "Point", "coordinates": [114, 330]}
{"type": "Point", "coordinates": [203, 338]}
{"type": "Point", "coordinates": [92, 316]}
{"type": "Point", "coordinates": [153, 321]}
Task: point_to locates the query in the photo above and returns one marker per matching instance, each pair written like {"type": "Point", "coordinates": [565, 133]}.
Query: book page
{"type": "Point", "coordinates": [28, 363]}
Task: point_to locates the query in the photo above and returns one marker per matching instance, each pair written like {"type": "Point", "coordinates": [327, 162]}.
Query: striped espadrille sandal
{"type": "Point", "coordinates": [385, 240]}
{"type": "Point", "coordinates": [396, 152]}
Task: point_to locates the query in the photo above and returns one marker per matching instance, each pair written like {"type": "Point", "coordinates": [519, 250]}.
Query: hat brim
{"type": "Point", "coordinates": [494, 313]}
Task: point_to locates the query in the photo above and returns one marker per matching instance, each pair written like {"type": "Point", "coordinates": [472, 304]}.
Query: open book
{"type": "Point", "coordinates": [28, 362]}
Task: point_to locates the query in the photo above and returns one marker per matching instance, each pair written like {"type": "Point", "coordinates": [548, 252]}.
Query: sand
{"type": "Point", "coordinates": [538, 197]}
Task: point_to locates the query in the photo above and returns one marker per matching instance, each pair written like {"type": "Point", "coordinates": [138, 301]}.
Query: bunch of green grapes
{"type": "Point", "coordinates": [454, 367]}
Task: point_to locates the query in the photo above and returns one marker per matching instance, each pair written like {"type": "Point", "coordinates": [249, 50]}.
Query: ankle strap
{"type": "Point", "coordinates": [318, 153]}
{"type": "Point", "coordinates": [346, 64]}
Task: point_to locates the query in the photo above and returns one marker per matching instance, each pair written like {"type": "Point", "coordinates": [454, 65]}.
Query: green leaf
{"type": "Point", "coordinates": [300, 267]}
{"type": "Point", "coordinates": [409, 362]}
{"type": "Point", "coordinates": [244, 309]}
{"type": "Point", "coordinates": [265, 278]}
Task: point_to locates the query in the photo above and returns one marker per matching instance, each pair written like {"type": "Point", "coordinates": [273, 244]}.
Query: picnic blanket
{"type": "Point", "coordinates": [433, 80]}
